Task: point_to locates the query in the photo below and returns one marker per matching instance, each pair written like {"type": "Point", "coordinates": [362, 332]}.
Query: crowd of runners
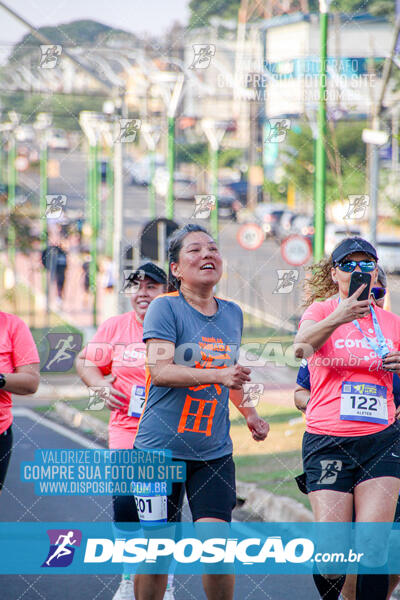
{"type": "Point", "coordinates": [169, 368]}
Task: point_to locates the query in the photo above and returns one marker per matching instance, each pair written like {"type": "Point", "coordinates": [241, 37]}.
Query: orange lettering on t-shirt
{"type": "Point", "coordinates": [198, 414]}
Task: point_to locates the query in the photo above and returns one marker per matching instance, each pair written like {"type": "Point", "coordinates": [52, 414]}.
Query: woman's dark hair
{"type": "Point", "coordinates": [174, 247]}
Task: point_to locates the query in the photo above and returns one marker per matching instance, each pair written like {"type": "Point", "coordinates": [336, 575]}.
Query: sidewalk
{"type": "Point", "coordinates": [77, 306]}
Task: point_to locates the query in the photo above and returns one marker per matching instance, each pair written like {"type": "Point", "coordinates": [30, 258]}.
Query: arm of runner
{"type": "Point", "coordinates": [24, 380]}
{"type": "Point", "coordinates": [313, 334]}
{"type": "Point", "coordinates": [92, 376]}
{"type": "Point", "coordinates": [165, 373]}
{"type": "Point", "coordinates": [258, 427]}
{"type": "Point", "coordinates": [301, 398]}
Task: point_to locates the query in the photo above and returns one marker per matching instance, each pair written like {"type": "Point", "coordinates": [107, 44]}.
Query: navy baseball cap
{"type": "Point", "coordinates": [350, 245]}
{"type": "Point", "coordinates": [151, 270]}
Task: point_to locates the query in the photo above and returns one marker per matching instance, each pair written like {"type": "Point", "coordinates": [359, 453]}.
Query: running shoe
{"type": "Point", "coordinates": [125, 590]}
{"type": "Point", "coordinates": [169, 594]}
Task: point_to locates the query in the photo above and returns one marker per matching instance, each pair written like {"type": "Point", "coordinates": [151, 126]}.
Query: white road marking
{"type": "Point", "coordinates": [20, 411]}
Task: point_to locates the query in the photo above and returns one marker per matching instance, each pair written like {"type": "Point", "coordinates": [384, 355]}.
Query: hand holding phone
{"type": "Point", "coordinates": [357, 280]}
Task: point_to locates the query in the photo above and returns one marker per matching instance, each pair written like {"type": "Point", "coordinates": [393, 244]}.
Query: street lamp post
{"type": "Point", "coordinates": [90, 125]}
{"type": "Point", "coordinates": [42, 124]}
{"type": "Point", "coordinates": [320, 155]}
{"type": "Point", "coordinates": [12, 182]}
{"type": "Point", "coordinates": [214, 138]}
{"type": "Point", "coordinates": [171, 114]}
{"type": "Point", "coordinates": [151, 137]}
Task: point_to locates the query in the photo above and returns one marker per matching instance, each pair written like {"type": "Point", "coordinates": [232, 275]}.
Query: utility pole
{"type": "Point", "coordinates": [320, 155]}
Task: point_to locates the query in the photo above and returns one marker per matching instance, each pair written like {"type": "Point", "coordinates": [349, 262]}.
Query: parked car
{"type": "Point", "coordinates": [335, 233]}
{"type": "Point", "coordinates": [184, 186]}
{"type": "Point", "coordinates": [228, 203]}
{"type": "Point", "coordinates": [58, 140]}
{"type": "Point", "coordinates": [25, 133]}
{"type": "Point", "coordinates": [268, 217]}
{"type": "Point", "coordinates": [286, 223]}
{"type": "Point", "coordinates": [140, 170]}
{"type": "Point", "coordinates": [389, 254]}
{"type": "Point", "coordinates": [23, 195]}
{"type": "Point", "coordinates": [304, 225]}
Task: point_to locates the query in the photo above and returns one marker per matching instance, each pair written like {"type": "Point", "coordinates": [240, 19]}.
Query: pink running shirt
{"type": "Point", "coordinates": [17, 348]}
{"type": "Point", "coordinates": [117, 348]}
{"type": "Point", "coordinates": [346, 356]}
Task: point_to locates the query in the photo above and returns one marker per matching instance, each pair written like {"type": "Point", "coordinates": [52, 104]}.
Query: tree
{"type": "Point", "coordinates": [203, 10]}
{"type": "Point", "coordinates": [346, 155]}
{"type": "Point", "coordinates": [77, 33]}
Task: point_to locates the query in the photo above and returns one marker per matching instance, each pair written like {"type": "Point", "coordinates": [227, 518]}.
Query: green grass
{"type": "Point", "coordinates": [81, 404]}
{"type": "Point", "coordinates": [273, 472]}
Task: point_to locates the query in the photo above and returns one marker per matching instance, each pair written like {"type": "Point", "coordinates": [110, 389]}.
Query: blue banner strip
{"type": "Point", "coordinates": [242, 548]}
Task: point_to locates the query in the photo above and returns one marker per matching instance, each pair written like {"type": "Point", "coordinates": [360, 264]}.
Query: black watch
{"type": "Point", "coordinates": [2, 380]}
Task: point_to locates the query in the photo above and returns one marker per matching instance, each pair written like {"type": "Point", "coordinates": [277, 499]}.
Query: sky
{"type": "Point", "coordinates": [137, 16]}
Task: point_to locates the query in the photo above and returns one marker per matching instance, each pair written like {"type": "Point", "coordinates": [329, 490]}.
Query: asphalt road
{"type": "Point", "coordinates": [250, 277]}
{"type": "Point", "coordinates": [19, 503]}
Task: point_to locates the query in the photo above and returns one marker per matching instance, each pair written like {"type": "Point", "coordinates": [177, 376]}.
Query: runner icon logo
{"type": "Point", "coordinates": [62, 547]}
{"type": "Point", "coordinates": [203, 54]}
{"type": "Point", "coordinates": [329, 471]}
{"type": "Point", "coordinates": [50, 54]}
{"type": "Point", "coordinates": [63, 347]}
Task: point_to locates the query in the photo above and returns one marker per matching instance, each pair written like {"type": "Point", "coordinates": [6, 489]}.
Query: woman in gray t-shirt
{"type": "Point", "coordinates": [192, 342]}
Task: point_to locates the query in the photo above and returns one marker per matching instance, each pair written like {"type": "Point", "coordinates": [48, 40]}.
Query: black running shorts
{"type": "Point", "coordinates": [341, 463]}
{"type": "Point", "coordinates": [210, 489]}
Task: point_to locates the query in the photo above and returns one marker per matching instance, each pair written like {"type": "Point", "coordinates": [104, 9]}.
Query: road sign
{"type": "Point", "coordinates": [21, 163]}
{"type": "Point", "coordinates": [250, 236]}
{"type": "Point", "coordinates": [296, 250]}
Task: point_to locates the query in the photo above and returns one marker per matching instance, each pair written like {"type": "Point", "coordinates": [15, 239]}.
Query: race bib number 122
{"type": "Point", "coordinates": [363, 402]}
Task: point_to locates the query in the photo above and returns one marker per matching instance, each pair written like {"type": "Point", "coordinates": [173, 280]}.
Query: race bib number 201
{"type": "Point", "coordinates": [363, 402]}
{"type": "Point", "coordinates": [152, 508]}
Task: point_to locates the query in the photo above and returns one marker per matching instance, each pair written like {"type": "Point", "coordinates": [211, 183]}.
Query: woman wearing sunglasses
{"type": "Point", "coordinates": [350, 441]}
{"type": "Point", "coordinates": [301, 398]}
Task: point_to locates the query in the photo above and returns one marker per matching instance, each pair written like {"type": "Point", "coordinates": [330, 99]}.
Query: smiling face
{"type": "Point", "coordinates": [199, 262]}
{"type": "Point", "coordinates": [148, 290]}
{"type": "Point", "coordinates": [343, 279]}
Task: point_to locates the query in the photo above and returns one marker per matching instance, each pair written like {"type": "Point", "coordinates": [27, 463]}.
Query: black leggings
{"type": "Point", "coordinates": [125, 509]}
{"type": "Point", "coordinates": [6, 440]}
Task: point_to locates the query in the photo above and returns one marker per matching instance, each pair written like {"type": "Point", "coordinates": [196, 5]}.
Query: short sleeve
{"type": "Point", "coordinates": [315, 312]}
{"type": "Point", "coordinates": [160, 321]}
{"type": "Point", "coordinates": [100, 349]}
{"type": "Point", "coordinates": [303, 375]}
{"type": "Point", "coordinates": [24, 351]}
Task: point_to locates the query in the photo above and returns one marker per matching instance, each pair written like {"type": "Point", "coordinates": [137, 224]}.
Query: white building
{"type": "Point", "coordinates": [356, 46]}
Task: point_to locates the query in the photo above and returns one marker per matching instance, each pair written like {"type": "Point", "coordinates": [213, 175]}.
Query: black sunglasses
{"type": "Point", "coordinates": [378, 292]}
{"type": "Point", "coordinates": [348, 266]}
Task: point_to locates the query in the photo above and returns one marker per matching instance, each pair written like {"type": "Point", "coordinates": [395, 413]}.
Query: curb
{"type": "Point", "coordinates": [264, 505]}
{"type": "Point", "coordinates": [79, 420]}
{"type": "Point", "coordinates": [270, 507]}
